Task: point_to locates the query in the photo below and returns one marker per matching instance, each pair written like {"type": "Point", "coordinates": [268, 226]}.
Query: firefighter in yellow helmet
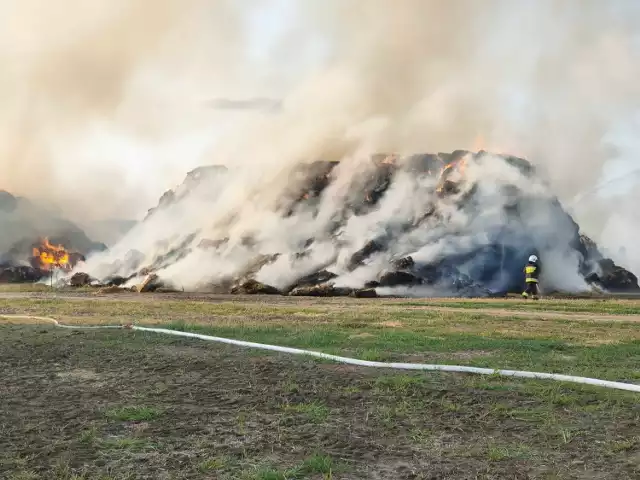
{"type": "Point", "coordinates": [532, 276]}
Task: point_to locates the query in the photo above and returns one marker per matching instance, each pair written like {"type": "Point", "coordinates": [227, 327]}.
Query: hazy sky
{"type": "Point", "coordinates": [154, 122]}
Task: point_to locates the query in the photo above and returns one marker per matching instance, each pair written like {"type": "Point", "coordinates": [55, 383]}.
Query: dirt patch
{"type": "Point", "coordinates": [81, 374]}
{"type": "Point", "coordinates": [109, 291]}
{"type": "Point", "coordinates": [391, 324]}
{"type": "Point", "coordinates": [187, 352]}
{"type": "Point", "coordinates": [23, 319]}
{"type": "Point", "coordinates": [224, 412]}
{"type": "Point", "coordinates": [339, 368]}
{"type": "Point", "coordinates": [594, 342]}
{"type": "Point", "coordinates": [425, 357]}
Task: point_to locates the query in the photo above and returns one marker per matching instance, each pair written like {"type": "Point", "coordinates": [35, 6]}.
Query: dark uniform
{"type": "Point", "coordinates": [532, 275]}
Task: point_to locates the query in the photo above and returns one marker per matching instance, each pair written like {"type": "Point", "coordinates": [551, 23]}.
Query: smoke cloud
{"type": "Point", "coordinates": [90, 105]}
{"type": "Point", "coordinates": [542, 79]}
{"type": "Point", "coordinates": [109, 101]}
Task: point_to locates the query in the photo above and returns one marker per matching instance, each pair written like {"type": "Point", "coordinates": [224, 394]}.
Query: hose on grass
{"type": "Point", "coordinates": [354, 361]}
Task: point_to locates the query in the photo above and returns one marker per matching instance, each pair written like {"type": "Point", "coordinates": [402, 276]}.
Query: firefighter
{"type": "Point", "coordinates": [532, 275]}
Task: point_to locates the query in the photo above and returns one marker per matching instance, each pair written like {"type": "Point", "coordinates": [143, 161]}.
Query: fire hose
{"type": "Point", "coordinates": [352, 361]}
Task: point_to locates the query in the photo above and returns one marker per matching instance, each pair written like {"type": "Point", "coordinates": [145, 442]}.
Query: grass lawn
{"type": "Point", "coordinates": [123, 404]}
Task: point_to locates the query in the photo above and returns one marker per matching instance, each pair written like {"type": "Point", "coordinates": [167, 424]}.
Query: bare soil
{"type": "Point", "coordinates": [209, 411]}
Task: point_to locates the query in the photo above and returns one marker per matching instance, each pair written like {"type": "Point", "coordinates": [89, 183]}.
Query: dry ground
{"type": "Point", "coordinates": [119, 404]}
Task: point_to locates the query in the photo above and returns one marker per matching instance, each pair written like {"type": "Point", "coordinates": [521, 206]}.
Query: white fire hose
{"type": "Point", "coordinates": [354, 361]}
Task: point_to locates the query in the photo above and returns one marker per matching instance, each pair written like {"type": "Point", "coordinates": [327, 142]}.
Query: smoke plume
{"type": "Point", "coordinates": [95, 89]}
{"type": "Point", "coordinates": [88, 97]}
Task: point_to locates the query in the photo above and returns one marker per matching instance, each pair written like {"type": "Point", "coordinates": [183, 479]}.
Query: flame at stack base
{"type": "Point", "coordinates": [48, 257]}
{"type": "Point", "coordinates": [455, 224]}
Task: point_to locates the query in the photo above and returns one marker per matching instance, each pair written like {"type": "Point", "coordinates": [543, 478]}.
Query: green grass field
{"type": "Point", "coordinates": [454, 425]}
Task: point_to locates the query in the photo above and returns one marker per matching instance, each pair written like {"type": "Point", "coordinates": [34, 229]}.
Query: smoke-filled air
{"type": "Point", "coordinates": [330, 147]}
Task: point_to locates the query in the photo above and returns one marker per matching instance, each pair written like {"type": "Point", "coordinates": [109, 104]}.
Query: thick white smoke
{"type": "Point", "coordinates": [244, 223]}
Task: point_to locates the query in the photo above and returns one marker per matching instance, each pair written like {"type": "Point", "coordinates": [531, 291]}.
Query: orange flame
{"type": "Point", "coordinates": [51, 256]}
{"type": "Point", "coordinates": [459, 165]}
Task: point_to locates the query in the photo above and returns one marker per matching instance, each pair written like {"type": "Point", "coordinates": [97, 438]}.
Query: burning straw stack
{"type": "Point", "coordinates": [46, 258]}
{"type": "Point", "coordinates": [507, 216]}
